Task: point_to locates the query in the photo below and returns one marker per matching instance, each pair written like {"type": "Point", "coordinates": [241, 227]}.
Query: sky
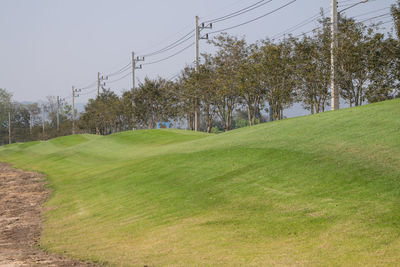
{"type": "Point", "coordinates": [48, 46]}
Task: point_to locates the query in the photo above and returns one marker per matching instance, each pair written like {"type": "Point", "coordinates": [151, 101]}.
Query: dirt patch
{"type": "Point", "coordinates": [21, 197]}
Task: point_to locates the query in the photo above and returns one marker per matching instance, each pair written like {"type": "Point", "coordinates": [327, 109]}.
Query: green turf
{"type": "Point", "coordinates": [320, 190]}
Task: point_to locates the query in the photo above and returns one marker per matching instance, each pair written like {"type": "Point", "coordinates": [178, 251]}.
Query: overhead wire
{"type": "Point", "coordinates": [371, 12]}
{"type": "Point", "coordinates": [169, 47]}
{"type": "Point", "coordinates": [113, 81]}
{"type": "Point", "coordinates": [190, 34]}
{"type": "Point", "coordinates": [297, 26]}
{"type": "Point", "coordinates": [221, 9]}
{"type": "Point", "coordinates": [239, 12]}
{"type": "Point", "coordinates": [379, 16]}
{"type": "Point", "coordinates": [357, 21]}
{"type": "Point", "coordinates": [252, 20]}
{"type": "Point", "coordinates": [123, 69]}
{"type": "Point", "coordinates": [166, 58]}
{"type": "Point", "coordinates": [88, 93]}
{"type": "Point", "coordinates": [88, 86]}
{"type": "Point", "coordinates": [172, 45]}
{"type": "Point", "coordinates": [167, 38]}
{"type": "Point", "coordinates": [351, 6]}
{"type": "Point", "coordinates": [305, 22]}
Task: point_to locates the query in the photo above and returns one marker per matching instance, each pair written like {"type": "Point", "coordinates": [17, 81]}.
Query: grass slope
{"type": "Point", "coordinates": [315, 190]}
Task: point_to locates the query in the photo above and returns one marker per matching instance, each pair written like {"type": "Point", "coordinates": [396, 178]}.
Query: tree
{"type": "Point", "coordinates": [198, 85]}
{"type": "Point", "coordinates": [5, 110]}
{"type": "Point", "coordinates": [154, 101]}
{"type": "Point", "coordinates": [381, 65]}
{"type": "Point", "coordinates": [232, 52]}
{"type": "Point", "coordinates": [188, 92]}
{"type": "Point", "coordinates": [352, 56]}
{"type": "Point", "coordinates": [312, 72]}
{"type": "Point", "coordinates": [277, 75]}
{"type": "Point", "coordinates": [102, 114]}
{"type": "Point", "coordinates": [395, 9]}
{"type": "Point", "coordinates": [250, 85]}
{"type": "Point", "coordinates": [5, 103]}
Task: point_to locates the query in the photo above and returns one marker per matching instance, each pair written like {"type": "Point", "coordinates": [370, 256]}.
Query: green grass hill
{"type": "Point", "coordinates": [318, 190]}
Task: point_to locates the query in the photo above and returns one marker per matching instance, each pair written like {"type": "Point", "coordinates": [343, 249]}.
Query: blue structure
{"type": "Point", "coordinates": [162, 125]}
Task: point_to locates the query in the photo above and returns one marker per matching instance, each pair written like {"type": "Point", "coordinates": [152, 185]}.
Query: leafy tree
{"type": "Point", "coordinates": [102, 115]}
{"type": "Point", "coordinates": [154, 102]}
{"type": "Point", "coordinates": [277, 70]}
{"type": "Point", "coordinates": [5, 108]}
{"type": "Point", "coordinates": [381, 65]}
{"type": "Point", "coordinates": [352, 57]}
{"type": "Point", "coordinates": [231, 54]}
{"type": "Point", "coordinates": [189, 91]}
{"type": "Point", "coordinates": [250, 85]}
{"type": "Point", "coordinates": [312, 72]}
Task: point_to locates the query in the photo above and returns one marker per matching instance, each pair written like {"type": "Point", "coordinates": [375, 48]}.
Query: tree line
{"type": "Point", "coordinates": [241, 84]}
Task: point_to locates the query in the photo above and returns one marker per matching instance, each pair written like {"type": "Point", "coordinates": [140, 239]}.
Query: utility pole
{"type": "Point", "coordinates": [134, 67]}
{"type": "Point", "coordinates": [197, 60]}
{"type": "Point", "coordinates": [73, 106]}
{"type": "Point", "coordinates": [58, 113]}
{"type": "Point", "coordinates": [197, 35]}
{"type": "Point", "coordinates": [9, 127]}
{"type": "Point", "coordinates": [73, 109]}
{"type": "Point", "coordinates": [334, 44]}
{"type": "Point", "coordinates": [43, 121]}
{"type": "Point", "coordinates": [133, 70]}
{"type": "Point", "coordinates": [98, 83]}
{"type": "Point", "coordinates": [30, 122]}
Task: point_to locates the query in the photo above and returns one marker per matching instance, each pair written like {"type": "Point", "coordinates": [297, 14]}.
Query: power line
{"type": "Point", "coordinates": [180, 51]}
{"type": "Point", "coordinates": [257, 18]}
{"type": "Point", "coordinates": [190, 34]}
{"type": "Point", "coordinates": [360, 21]}
{"type": "Point", "coordinates": [371, 12]}
{"type": "Point", "coordinates": [345, 5]}
{"type": "Point", "coordinates": [121, 70]}
{"type": "Point", "coordinates": [169, 37]}
{"type": "Point", "coordinates": [89, 86]}
{"type": "Point", "coordinates": [223, 8]}
{"type": "Point", "coordinates": [379, 16]}
{"type": "Point", "coordinates": [239, 12]}
{"type": "Point", "coordinates": [88, 93]}
{"type": "Point", "coordinates": [174, 44]}
{"type": "Point", "coordinates": [113, 81]}
{"type": "Point", "coordinates": [297, 26]}
{"type": "Point", "coordinates": [353, 5]}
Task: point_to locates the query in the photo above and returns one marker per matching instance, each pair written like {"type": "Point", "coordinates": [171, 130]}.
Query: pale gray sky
{"type": "Point", "coordinates": [49, 45]}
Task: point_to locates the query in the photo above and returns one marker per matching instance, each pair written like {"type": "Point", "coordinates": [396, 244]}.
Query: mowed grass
{"type": "Point", "coordinates": [321, 190]}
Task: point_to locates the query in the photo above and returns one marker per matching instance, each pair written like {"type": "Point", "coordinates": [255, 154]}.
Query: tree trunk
{"type": "Point", "coordinates": [249, 113]}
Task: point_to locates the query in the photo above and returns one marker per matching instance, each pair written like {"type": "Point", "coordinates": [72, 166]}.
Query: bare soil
{"type": "Point", "coordinates": [22, 195]}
